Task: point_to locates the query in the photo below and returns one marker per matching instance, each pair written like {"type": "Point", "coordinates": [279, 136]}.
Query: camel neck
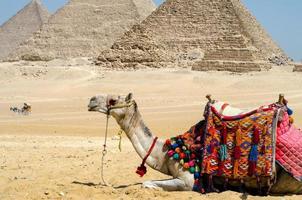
{"type": "Point", "coordinates": [142, 138]}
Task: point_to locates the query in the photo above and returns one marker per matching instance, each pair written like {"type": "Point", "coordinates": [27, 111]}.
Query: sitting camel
{"type": "Point", "coordinates": [126, 113]}
{"type": "Point", "coordinates": [25, 110]}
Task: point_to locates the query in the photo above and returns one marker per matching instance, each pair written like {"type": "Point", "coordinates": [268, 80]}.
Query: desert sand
{"type": "Point", "coordinates": [55, 152]}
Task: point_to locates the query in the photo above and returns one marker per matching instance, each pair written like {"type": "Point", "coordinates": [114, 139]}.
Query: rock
{"type": "Point", "coordinates": [62, 194]}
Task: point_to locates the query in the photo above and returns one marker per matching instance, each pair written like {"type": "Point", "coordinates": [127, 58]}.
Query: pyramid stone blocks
{"type": "Point", "coordinates": [21, 27]}
{"type": "Point", "coordinates": [202, 34]}
{"type": "Point", "coordinates": [83, 28]}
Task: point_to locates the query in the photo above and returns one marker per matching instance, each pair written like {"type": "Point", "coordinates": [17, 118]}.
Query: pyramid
{"type": "Point", "coordinates": [21, 27]}
{"type": "Point", "coordinates": [201, 34]}
{"type": "Point", "coordinates": [83, 28]}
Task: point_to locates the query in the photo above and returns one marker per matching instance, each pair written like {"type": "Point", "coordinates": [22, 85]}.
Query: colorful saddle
{"type": "Point", "coordinates": [240, 148]}
{"type": "Point", "coordinates": [234, 147]}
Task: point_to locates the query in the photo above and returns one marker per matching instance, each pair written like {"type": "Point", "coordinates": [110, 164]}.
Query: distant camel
{"type": "Point", "coordinates": [25, 110]}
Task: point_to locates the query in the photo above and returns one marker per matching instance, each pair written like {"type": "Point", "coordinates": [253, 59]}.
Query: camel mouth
{"type": "Point", "coordinates": [97, 109]}
{"type": "Point", "coordinates": [101, 110]}
{"type": "Point", "coordinates": [92, 108]}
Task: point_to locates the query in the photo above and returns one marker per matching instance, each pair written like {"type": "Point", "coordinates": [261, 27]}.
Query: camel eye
{"type": "Point", "coordinates": [112, 102]}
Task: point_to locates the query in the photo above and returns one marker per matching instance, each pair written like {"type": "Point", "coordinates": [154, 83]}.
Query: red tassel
{"type": "Point", "coordinates": [212, 131]}
{"type": "Point", "coordinates": [212, 148]}
{"type": "Point", "coordinates": [141, 170]}
{"type": "Point", "coordinates": [252, 168]}
{"type": "Point", "coordinates": [224, 134]}
{"type": "Point", "coordinates": [256, 137]}
{"type": "Point", "coordinates": [237, 152]}
{"type": "Point", "coordinates": [168, 142]}
{"type": "Point", "coordinates": [263, 149]}
{"type": "Point", "coordinates": [220, 169]}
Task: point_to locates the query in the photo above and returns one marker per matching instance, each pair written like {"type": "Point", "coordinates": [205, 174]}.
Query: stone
{"type": "Point", "coordinates": [83, 28]}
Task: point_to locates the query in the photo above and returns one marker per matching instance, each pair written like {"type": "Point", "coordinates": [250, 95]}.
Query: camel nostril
{"type": "Point", "coordinates": [112, 102]}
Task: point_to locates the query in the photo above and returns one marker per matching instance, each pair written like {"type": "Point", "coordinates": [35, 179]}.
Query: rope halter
{"type": "Point", "coordinates": [111, 106]}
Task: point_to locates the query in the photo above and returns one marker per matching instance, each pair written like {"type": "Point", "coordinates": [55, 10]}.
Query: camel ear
{"type": "Point", "coordinates": [129, 97]}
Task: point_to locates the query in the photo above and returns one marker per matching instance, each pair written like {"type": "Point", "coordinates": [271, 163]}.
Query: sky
{"type": "Point", "coordinates": [281, 18]}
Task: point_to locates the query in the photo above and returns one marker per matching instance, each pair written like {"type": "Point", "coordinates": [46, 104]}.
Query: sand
{"type": "Point", "coordinates": [55, 152]}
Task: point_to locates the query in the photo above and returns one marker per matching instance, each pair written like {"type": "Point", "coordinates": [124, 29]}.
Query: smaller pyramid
{"type": "Point", "coordinates": [21, 27]}
{"type": "Point", "coordinates": [83, 28]}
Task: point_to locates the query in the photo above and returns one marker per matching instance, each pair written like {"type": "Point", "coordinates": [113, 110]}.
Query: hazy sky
{"type": "Point", "coordinates": [281, 18]}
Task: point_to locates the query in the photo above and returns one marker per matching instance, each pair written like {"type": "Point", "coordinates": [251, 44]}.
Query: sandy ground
{"type": "Point", "coordinates": [54, 153]}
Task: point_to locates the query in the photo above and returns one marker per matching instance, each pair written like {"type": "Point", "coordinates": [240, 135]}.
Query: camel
{"type": "Point", "coordinates": [125, 111]}
{"type": "Point", "coordinates": [25, 110]}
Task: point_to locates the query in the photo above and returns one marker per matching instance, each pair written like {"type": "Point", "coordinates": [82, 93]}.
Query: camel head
{"type": "Point", "coordinates": [114, 105]}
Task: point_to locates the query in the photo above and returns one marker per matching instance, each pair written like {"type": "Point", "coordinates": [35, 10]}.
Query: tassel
{"type": "Point", "coordinates": [196, 185]}
{"type": "Point", "coordinates": [252, 168]}
{"type": "Point", "coordinates": [224, 134]}
{"type": "Point", "coordinates": [289, 111]}
{"type": "Point", "coordinates": [168, 143]}
{"type": "Point", "coordinates": [212, 148]}
{"type": "Point", "coordinates": [223, 152]}
{"type": "Point", "coordinates": [264, 133]}
{"type": "Point", "coordinates": [141, 170]}
{"type": "Point", "coordinates": [253, 160]}
{"type": "Point", "coordinates": [235, 169]}
{"type": "Point", "coordinates": [237, 152]}
{"type": "Point", "coordinates": [220, 169]}
{"type": "Point", "coordinates": [212, 131]}
{"type": "Point", "coordinates": [254, 153]}
{"type": "Point", "coordinates": [263, 149]}
{"type": "Point", "coordinates": [256, 136]}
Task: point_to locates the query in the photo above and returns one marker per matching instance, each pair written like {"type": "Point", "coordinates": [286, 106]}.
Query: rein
{"type": "Point", "coordinates": [141, 170]}
{"type": "Point", "coordinates": [104, 152]}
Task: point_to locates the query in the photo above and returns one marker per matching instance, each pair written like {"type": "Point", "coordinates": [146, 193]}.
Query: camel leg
{"type": "Point", "coordinates": [167, 185]}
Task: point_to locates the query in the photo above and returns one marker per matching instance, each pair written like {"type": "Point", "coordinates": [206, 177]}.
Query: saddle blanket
{"type": "Point", "coordinates": [241, 148]}
{"type": "Point", "coordinates": [289, 148]}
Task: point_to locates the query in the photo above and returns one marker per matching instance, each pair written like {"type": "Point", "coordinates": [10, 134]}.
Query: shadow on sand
{"type": "Point", "coordinates": [90, 184]}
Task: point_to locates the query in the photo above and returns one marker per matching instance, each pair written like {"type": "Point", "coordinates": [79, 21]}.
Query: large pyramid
{"type": "Point", "coordinates": [202, 34]}
{"type": "Point", "coordinates": [21, 27]}
{"type": "Point", "coordinates": [83, 28]}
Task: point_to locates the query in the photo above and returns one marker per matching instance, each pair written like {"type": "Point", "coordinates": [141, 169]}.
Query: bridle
{"type": "Point", "coordinates": [118, 106]}
{"type": "Point", "coordinates": [109, 108]}
{"type": "Point", "coordinates": [141, 170]}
